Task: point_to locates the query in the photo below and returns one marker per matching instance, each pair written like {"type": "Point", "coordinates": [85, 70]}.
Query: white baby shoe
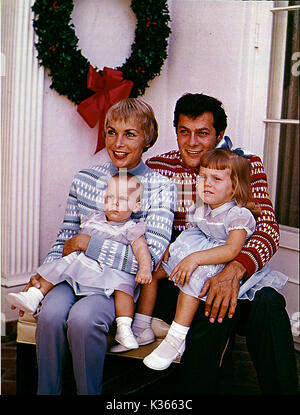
{"type": "Point", "coordinates": [26, 300]}
{"type": "Point", "coordinates": [145, 337]}
{"type": "Point", "coordinates": [125, 337]}
{"type": "Point", "coordinates": [164, 354]}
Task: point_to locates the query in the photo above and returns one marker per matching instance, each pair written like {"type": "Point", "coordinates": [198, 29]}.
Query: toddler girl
{"type": "Point", "coordinates": [217, 232]}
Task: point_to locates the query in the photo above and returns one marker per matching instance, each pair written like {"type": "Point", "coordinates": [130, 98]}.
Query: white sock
{"type": "Point", "coordinates": [124, 320]}
{"type": "Point", "coordinates": [173, 343]}
{"type": "Point", "coordinates": [176, 336]}
{"type": "Point", "coordinates": [178, 330]}
{"type": "Point", "coordinates": [140, 323]}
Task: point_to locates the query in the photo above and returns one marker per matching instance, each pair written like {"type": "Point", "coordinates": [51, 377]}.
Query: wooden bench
{"type": "Point", "coordinates": [26, 327]}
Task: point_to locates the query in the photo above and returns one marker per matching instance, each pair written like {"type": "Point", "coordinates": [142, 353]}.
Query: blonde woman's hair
{"type": "Point", "coordinates": [140, 111]}
{"type": "Point", "coordinates": [221, 159]}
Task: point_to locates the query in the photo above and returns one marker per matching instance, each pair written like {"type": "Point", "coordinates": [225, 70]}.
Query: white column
{"type": "Point", "coordinates": [21, 113]}
{"type": "Point", "coordinates": [252, 76]}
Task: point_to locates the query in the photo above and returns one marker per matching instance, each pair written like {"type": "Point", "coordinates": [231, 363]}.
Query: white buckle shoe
{"type": "Point", "coordinates": [146, 337]}
{"type": "Point", "coordinates": [156, 362]}
{"type": "Point", "coordinates": [125, 337]}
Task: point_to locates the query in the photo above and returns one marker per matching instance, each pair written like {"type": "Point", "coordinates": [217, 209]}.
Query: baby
{"type": "Point", "coordinates": [123, 197]}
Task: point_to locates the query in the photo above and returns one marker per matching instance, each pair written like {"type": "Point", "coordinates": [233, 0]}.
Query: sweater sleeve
{"type": "Point", "coordinates": [263, 244]}
{"type": "Point", "coordinates": [70, 226]}
{"type": "Point", "coordinates": [158, 219]}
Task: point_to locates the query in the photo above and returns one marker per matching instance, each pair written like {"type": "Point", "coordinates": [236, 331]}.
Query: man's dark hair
{"type": "Point", "coordinates": [194, 105]}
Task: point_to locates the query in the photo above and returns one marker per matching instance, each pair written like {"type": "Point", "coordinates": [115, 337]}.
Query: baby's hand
{"type": "Point", "coordinates": [143, 277]}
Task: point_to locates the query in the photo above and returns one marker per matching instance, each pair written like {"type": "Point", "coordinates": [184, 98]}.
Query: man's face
{"type": "Point", "coordinates": [195, 136]}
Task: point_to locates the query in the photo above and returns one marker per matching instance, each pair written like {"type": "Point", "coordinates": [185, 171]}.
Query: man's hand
{"type": "Point", "coordinates": [33, 282]}
{"type": "Point", "coordinates": [223, 289]}
{"type": "Point", "coordinates": [77, 243]}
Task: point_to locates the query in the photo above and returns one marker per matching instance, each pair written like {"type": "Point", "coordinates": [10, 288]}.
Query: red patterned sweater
{"type": "Point", "coordinates": [263, 243]}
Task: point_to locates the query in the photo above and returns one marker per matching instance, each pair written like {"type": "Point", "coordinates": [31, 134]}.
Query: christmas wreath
{"type": "Point", "coordinates": [72, 74]}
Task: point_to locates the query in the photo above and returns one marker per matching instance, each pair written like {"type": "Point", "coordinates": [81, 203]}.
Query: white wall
{"type": "Point", "coordinates": [211, 50]}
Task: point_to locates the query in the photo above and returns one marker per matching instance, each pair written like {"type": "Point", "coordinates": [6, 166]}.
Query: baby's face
{"type": "Point", "coordinates": [121, 199]}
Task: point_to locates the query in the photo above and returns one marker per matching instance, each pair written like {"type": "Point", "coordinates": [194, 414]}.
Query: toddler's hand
{"type": "Point", "coordinates": [183, 270]}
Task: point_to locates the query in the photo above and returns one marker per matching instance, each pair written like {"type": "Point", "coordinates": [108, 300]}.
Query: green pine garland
{"type": "Point", "coordinates": [57, 46]}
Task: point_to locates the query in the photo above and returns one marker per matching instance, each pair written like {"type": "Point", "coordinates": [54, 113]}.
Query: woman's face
{"type": "Point", "coordinates": [125, 142]}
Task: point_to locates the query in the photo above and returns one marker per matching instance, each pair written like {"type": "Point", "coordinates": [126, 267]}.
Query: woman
{"type": "Point", "coordinates": [75, 320]}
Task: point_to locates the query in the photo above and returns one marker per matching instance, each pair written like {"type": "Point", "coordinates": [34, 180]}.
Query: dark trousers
{"type": "Point", "coordinates": [265, 324]}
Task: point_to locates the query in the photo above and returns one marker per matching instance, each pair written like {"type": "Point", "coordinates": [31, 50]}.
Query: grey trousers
{"type": "Point", "coordinates": [79, 324]}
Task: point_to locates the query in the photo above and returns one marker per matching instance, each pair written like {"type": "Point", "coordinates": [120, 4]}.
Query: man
{"type": "Point", "coordinates": [200, 122]}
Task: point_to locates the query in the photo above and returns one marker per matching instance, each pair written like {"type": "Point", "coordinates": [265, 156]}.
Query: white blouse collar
{"type": "Point", "coordinates": [214, 212]}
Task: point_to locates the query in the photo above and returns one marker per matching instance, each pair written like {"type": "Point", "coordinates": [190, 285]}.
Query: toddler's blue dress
{"type": "Point", "coordinates": [210, 228]}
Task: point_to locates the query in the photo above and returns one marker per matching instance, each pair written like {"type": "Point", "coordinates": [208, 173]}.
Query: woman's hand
{"type": "Point", "coordinates": [76, 243]}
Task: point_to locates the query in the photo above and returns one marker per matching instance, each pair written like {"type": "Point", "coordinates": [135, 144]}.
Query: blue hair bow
{"type": "Point", "coordinates": [227, 143]}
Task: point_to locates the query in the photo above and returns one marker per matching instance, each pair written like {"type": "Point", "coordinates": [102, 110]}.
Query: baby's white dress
{"type": "Point", "coordinates": [87, 276]}
{"type": "Point", "coordinates": [210, 228]}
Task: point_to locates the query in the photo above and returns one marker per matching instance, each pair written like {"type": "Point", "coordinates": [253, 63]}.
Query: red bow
{"type": "Point", "coordinates": [109, 88]}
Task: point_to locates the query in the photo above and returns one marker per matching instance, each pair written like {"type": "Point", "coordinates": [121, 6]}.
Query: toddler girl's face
{"type": "Point", "coordinates": [122, 198]}
{"type": "Point", "coordinates": [215, 186]}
